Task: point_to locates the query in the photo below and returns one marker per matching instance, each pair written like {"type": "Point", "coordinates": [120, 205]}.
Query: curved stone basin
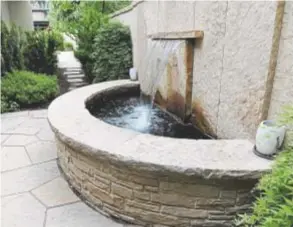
{"type": "Point", "coordinates": [146, 179]}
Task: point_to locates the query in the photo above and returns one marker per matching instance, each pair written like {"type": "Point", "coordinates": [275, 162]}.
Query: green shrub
{"type": "Point", "coordinates": [82, 20]}
{"type": "Point", "coordinates": [60, 45]}
{"type": "Point", "coordinates": [6, 57]}
{"type": "Point", "coordinates": [274, 206]}
{"type": "Point", "coordinates": [112, 52]}
{"type": "Point", "coordinates": [28, 89]}
{"type": "Point", "coordinates": [68, 46]}
{"type": "Point", "coordinates": [85, 41]}
{"type": "Point", "coordinates": [39, 53]}
{"type": "Point", "coordinates": [8, 106]}
{"type": "Point", "coordinates": [34, 51]}
{"type": "Point", "coordinates": [12, 43]}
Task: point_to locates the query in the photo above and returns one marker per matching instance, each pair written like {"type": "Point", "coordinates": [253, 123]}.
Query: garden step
{"type": "Point", "coordinates": [75, 80]}
{"type": "Point", "coordinates": [72, 68]}
{"type": "Point", "coordinates": [73, 72]}
{"type": "Point", "coordinates": [75, 76]}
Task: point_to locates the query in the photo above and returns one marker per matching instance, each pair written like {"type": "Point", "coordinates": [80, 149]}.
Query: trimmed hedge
{"type": "Point", "coordinates": [26, 89]}
{"type": "Point", "coordinates": [112, 53]}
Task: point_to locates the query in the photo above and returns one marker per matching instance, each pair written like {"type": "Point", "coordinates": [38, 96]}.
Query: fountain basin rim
{"type": "Point", "coordinates": [211, 159]}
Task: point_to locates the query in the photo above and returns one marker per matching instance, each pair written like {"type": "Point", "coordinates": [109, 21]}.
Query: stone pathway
{"type": "Point", "coordinates": [33, 193]}
{"type": "Point", "coordinates": [72, 75]}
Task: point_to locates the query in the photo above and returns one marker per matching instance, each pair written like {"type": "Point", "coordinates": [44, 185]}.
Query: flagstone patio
{"type": "Point", "coordinates": [33, 193]}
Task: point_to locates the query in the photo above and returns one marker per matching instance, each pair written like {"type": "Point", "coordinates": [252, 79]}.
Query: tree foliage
{"type": "Point", "coordinates": [12, 42]}
{"type": "Point", "coordinates": [34, 51]}
{"type": "Point", "coordinates": [112, 52]}
{"type": "Point", "coordinates": [81, 20]}
{"type": "Point", "coordinates": [40, 51]}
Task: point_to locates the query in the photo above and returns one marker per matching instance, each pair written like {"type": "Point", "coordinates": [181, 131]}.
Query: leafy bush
{"type": "Point", "coordinates": [274, 206]}
{"type": "Point", "coordinates": [86, 36]}
{"type": "Point", "coordinates": [82, 20]}
{"type": "Point", "coordinates": [34, 51]}
{"type": "Point", "coordinates": [60, 45]}
{"type": "Point", "coordinates": [12, 42]}
{"type": "Point", "coordinates": [112, 55]}
{"type": "Point", "coordinates": [27, 89]}
{"type": "Point", "coordinates": [8, 106]}
{"type": "Point", "coordinates": [68, 46]}
{"type": "Point", "coordinates": [39, 53]}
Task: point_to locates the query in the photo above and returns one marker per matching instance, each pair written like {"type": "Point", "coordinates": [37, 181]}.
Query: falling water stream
{"type": "Point", "coordinates": [134, 111]}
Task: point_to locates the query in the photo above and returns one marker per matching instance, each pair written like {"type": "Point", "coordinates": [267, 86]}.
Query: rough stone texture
{"type": "Point", "coordinates": [176, 203]}
{"type": "Point", "coordinates": [208, 60]}
{"type": "Point", "coordinates": [142, 178]}
{"type": "Point", "coordinates": [205, 158]}
{"type": "Point", "coordinates": [282, 90]}
{"type": "Point", "coordinates": [231, 63]}
{"type": "Point", "coordinates": [248, 42]}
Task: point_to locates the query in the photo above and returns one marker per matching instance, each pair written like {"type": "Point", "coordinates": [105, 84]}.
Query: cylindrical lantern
{"type": "Point", "coordinates": [269, 138]}
{"type": "Point", "coordinates": [133, 74]}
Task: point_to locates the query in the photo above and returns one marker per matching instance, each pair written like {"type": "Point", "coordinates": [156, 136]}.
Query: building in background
{"type": "Point", "coordinates": [40, 11]}
{"type": "Point", "coordinates": [18, 13]}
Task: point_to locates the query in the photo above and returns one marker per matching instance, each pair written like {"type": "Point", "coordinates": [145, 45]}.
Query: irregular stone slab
{"type": "Point", "coordinates": [42, 151]}
{"type": "Point", "coordinates": [22, 210]}
{"type": "Point", "coordinates": [55, 192]}
{"type": "Point", "coordinates": [15, 114]}
{"type": "Point", "coordinates": [20, 140]}
{"type": "Point", "coordinates": [24, 130]}
{"type": "Point", "coordinates": [35, 122]}
{"type": "Point", "coordinates": [7, 199]}
{"type": "Point", "coordinates": [46, 134]}
{"type": "Point", "coordinates": [77, 215]}
{"type": "Point", "coordinates": [3, 138]}
{"type": "Point", "coordinates": [14, 157]}
{"type": "Point", "coordinates": [38, 113]}
{"type": "Point", "coordinates": [10, 123]}
{"type": "Point", "coordinates": [28, 178]}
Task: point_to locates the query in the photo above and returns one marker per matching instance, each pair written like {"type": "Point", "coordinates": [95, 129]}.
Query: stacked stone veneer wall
{"type": "Point", "coordinates": [145, 197]}
{"type": "Point", "coordinates": [233, 64]}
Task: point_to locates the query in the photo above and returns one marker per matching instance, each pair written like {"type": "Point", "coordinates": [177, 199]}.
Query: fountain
{"type": "Point", "coordinates": [140, 163]}
{"type": "Point", "coordinates": [136, 111]}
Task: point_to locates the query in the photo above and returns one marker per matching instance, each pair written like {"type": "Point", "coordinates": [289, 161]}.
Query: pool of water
{"type": "Point", "coordinates": [134, 113]}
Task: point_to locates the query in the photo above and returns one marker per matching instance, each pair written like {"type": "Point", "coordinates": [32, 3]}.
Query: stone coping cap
{"type": "Point", "coordinates": [177, 35]}
{"type": "Point", "coordinates": [74, 125]}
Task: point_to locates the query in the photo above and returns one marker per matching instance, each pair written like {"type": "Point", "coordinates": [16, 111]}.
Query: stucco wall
{"type": "Point", "coordinates": [283, 84]}
{"type": "Point", "coordinates": [17, 12]}
{"type": "Point", "coordinates": [5, 11]}
{"type": "Point", "coordinates": [231, 63]}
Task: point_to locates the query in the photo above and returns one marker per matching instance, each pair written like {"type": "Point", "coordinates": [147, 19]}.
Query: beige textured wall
{"type": "Point", "coordinates": [283, 84]}
{"type": "Point", "coordinates": [231, 62]}
{"type": "Point", "coordinates": [17, 12]}
{"type": "Point", "coordinates": [5, 11]}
